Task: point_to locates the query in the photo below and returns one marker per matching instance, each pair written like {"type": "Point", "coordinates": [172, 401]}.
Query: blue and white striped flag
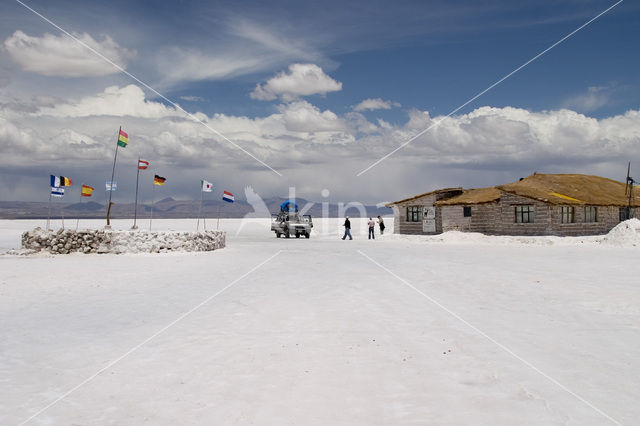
{"type": "Point", "coordinates": [111, 186]}
{"type": "Point", "coordinates": [57, 192]}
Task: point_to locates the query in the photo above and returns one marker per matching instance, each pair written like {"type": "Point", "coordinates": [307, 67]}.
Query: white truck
{"type": "Point", "coordinates": [289, 222]}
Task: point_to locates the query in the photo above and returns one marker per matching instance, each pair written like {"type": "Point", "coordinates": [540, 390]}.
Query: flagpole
{"type": "Point", "coordinates": [78, 221]}
{"type": "Point", "coordinates": [135, 209]}
{"type": "Point", "coordinates": [113, 172]}
{"type": "Point", "coordinates": [62, 214]}
{"type": "Point", "coordinates": [49, 214]}
{"type": "Point", "coordinates": [218, 224]}
{"type": "Point", "coordinates": [200, 209]}
{"type": "Point", "coordinates": [152, 204]}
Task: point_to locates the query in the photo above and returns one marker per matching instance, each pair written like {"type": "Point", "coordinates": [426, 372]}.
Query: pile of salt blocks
{"type": "Point", "coordinates": [66, 241]}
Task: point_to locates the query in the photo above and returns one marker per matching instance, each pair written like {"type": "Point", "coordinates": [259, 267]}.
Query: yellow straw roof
{"type": "Point", "coordinates": [572, 189]}
{"type": "Point", "coordinates": [473, 196]}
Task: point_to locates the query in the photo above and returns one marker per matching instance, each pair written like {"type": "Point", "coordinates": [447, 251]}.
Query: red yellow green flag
{"type": "Point", "coordinates": [123, 139]}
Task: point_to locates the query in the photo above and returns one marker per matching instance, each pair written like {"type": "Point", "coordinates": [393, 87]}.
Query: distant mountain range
{"type": "Point", "coordinates": [168, 208]}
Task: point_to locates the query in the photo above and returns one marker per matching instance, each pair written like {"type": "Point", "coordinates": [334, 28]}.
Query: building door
{"type": "Point", "coordinates": [429, 219]}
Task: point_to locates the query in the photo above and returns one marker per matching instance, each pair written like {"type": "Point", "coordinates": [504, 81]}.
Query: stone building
{"type": "Point", "coordinates": [541, 204]}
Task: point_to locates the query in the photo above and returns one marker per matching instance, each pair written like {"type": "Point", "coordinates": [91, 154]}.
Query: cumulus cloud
{"type": "Point", "coordinates": [62, 56]}
{"type": "Point", "coordinates": [315, 147]}
{"type": "Point", "coordinates": [374, 104]}
{"type": "Point", "coordinates": [301, 80]}
{"type": "Point", "coordinates": [509, 136]}
{"type": "Point", "coordinates": [115, 101]}
{"type": "Point", "coordinates": [301, 116]}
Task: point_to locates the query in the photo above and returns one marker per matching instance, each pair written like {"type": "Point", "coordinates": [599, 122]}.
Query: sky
{"type": "Point", "coordinates": [313, 95]}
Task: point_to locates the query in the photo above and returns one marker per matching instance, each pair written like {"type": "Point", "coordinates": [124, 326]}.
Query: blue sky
{"type": "Point", "coordinates": [228, 62]}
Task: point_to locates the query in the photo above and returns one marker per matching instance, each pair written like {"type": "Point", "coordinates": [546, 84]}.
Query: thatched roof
{"type": "Point", "coordinates": [556, 189]}
{"type": "Point", "coordinates": [572, 189]}
{"type": "Point", "coordinates": [473, 196]}
{"type": "Point", "coordinates": [437, 191]}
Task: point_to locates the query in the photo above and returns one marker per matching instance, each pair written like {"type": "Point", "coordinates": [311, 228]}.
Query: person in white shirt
{"type": "Point", "coordinates": [372, 227]}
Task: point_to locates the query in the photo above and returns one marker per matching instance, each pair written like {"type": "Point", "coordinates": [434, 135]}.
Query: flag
{"type": "Point", "coordinates": [158, 180]}
{"type": "Point", "coordinates": [58, 181]}
{"type": "Point", "coordinates": [123, 139]}
{"type": "Point", "coordinates": [57, 191]}
{"type": "Point", "coordinates": [227, 196]}
{"type": "Point", "coordinates": [142, 165]}
{"type": "Point", "coordinates": [206, 186]}
{"type": "Point", "coordinates": [111, 186]}
{"type": "Point", "coordinates": [87, 191]}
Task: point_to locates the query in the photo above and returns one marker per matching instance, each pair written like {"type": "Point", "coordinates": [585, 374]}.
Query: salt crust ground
{"type": "Point", "coordinates": [320, 334]}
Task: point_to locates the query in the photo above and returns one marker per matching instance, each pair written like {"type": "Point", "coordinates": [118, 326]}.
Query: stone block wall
{"type": "Point", "coordinates": [484, 218]}
{"type": "Point", "coordinates": [507, 225]}
{"type": "Point", "coordinates": [608, 217]}
{"type": "Point", "coordinates": [548, 219]}
{"type": "Point", "coordinates": [100, 241]}
{"type": "Point", "coordinates": [498, 218]}
{"type": "Point", "coordinates": [400, 224]}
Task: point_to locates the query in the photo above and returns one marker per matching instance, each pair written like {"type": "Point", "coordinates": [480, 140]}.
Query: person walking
{"type": "Point", "coordinates": [372, 227]}
{"type": "Point", "coordinates": [347, 228]}
{"type": "Point", "coordinates": [381, 225]}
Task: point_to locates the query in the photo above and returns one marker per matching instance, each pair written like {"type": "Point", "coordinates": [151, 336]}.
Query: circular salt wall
{"type": "Point", "coordinates": [93, 241]}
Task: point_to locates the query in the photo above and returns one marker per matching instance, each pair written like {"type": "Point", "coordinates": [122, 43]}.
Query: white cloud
{"type": "Point", "coordinates": [359, 123]}
{"type": "Point", "coordinates": [62, 56]}
{"type": "Point", "coordinates": [15, 140]}
{"type": "Point", "coordinates": [193, 98]}
{"type": "Point", "coordinates": [302, 80]}
{"type": "Point", "coordinates": [592, 100]}
{"type": "Point", "coordinates": [374, 104]}
{"type": "Point", "coordinates": [510, 135]}
{"type": "Point", "coordinates": [115, 101]}
{"type": "Point", "coordinates": [242, 46]}
{"type": "Point", "coordinates": [182, 64]}
{"type": "Point", "coordinates": [274, 40]}
{"type": "Point", "coordinates": [384, 124]}
{"type": "Point", "coordinates": [301, 116]}
{"type": "Point", "coordinates": [315, 147]}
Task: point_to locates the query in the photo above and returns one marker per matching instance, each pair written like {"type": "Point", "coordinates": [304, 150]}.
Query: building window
{"type": "Point", "coordinates": [524, 214]}
{"type": "Point", "coordinates": [625, 213]}
{"type": "Point", "coordinates": [568, 214]}
{"type": "Point", "coordinates": [466, 211]}
{"type": "Point", "coordinates": [414, 214]}
{"type": "Point", "coordinates": [590, 214]}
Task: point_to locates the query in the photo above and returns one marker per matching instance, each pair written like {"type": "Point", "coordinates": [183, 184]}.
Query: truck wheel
{"type": "Point", "coordinates": [278, 235]}
{"type": "Point", "coordinates": [307, 235]}
{"type": "Point", "coordinates": [297, 235]}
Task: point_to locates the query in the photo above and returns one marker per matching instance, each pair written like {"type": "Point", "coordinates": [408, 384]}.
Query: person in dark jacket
{"type": "Point", "coordinates": [381, 224]}
{"type": "Point", "coordinates": [347, 228]}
